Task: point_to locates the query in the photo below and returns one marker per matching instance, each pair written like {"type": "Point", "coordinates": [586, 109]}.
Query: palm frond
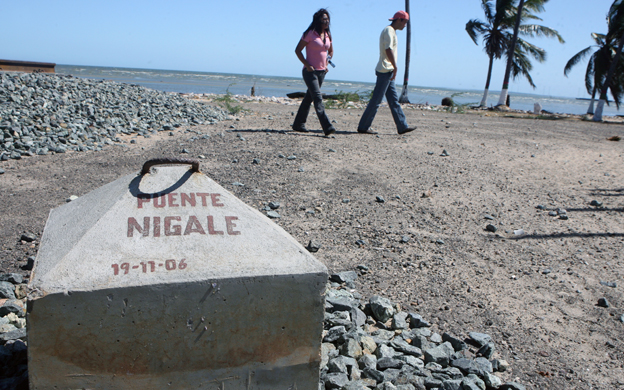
{"type": "Point", "coordinates": [535, 30]}
{"type": "Point", "coordinates": [578, 57]}
{"type": "Point", "coordinates": [590, 75]}
{"type": "Point", "coordinates": [474, 28]}
{"type": "Point", "coordinates": [600, 39]}
{"type": "Point", "coordinates": [489, 10]}
{"type": "Point", "coordinates": [528, 48]}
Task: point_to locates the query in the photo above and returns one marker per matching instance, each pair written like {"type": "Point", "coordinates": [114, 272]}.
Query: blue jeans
{"type": "Point", "coordinates": [313, 80]}
{"type": "Point", "coordinates": [384, 86]}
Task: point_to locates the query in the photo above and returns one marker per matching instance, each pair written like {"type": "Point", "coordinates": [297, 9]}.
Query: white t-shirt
{"type": "Point", "coordinates": [387, 40]}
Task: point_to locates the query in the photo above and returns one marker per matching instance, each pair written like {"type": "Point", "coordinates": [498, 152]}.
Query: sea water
{"type": "Point", "coordinates": [241, 84]}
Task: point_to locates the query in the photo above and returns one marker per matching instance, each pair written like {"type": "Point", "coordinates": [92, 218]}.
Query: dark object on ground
{"type": "Point", "coordinates": [447, 102]}
{"type": "Point", "coordinates": [614, 138]}
{"type": "Point", "coordinates": [300, 95]}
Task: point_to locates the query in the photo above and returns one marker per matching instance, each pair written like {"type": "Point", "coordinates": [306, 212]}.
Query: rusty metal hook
{"type": "Point", "coordinates": [169, 160]}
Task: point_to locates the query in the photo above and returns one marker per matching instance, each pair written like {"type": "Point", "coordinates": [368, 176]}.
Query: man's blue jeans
{"type": "Point", "coordinates": [384, 86]}
{"type": "Point", "coordinates": [313, 81]}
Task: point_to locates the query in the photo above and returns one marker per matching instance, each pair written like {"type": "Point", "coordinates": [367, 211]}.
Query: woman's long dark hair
{"type": "Point", "coordinates": [316, 23]}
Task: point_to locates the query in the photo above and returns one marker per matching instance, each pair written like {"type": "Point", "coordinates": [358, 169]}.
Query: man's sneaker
{"type": "Point", "coordinates": [300, 129]}
{"type": "Point", "coordinates": [329, 131]}
{"type": "Point", "coordinates": [369, 131]}
{"type": "Point", "coordinates": [409, 129]}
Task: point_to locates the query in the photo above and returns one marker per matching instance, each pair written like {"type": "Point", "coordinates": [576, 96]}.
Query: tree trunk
{"type": "Point", "coordinates": [408, 51]}
{"type": "Point", "coordinates": [487, 83]}
{"type": "Point", "coordinates": [605, 87]}
{"type": "Point", "coordinates": [590, 110]}
{"type": "Point", "coordinates": [512, 49]}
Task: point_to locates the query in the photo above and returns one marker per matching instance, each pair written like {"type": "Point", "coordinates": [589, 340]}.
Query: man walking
{"type": "Point", "coordinates": [386, 72]}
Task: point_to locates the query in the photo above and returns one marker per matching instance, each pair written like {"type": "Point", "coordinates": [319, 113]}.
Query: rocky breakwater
{"type": "Point", "coordinates": [50, 113]}
{"type": "Point", "coordinates": [13, 358]}
{"type": "Point", "coordinates": [372, 344]}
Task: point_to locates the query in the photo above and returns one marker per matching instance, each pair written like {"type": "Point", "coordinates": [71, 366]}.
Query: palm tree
{"type": "Point", "coordinates": [408, 51]}
{"type": "Point", "coordinates": [615, 18]}
{"type": "Point", "coordinates": [596, 70]}
{"type": "Point", "coordinates": [497, 36]}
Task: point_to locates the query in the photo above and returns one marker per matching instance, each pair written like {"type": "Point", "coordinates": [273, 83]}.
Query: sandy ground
{"type": "Point", "coordinates": [535, 293]}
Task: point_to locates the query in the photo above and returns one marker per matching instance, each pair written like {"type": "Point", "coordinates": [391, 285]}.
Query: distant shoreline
{"type": "Point", "coordinates": [279, 86]}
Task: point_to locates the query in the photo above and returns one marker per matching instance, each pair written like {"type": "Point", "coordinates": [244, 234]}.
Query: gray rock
{"type": "Point", "coordinates": [367, 361]}
{"type": "Point", "coordinates": [382, 308]}
{"type": "Point", "coordinates": [18, 334]}
{"type": "Point", "coordinates": [387, 362]}
{"type": "Point", "coordinates": [351, 348]}
{"type": "Point", "coordinates": [357, 385]}
{"type": "Point", "coordinates": [380, 199]}
{"type": "Point", "coordinates": [313, 246]}
{"type": "Point", "coordinates": [499, 365]}
{"type": "Point", "coordinates": [386, 385]}
{"type": "Point", "coordinates": [373, 373]}
{"type": "Point", "coordinates": [422, 342]}
{"type": "Point", "coordinates": [7, 290]}
{"type": "Point", "coordinates": [440, 354]}
{"type": "Point", "coordinates": [334, 334]}
{"type": "Point", "coordinates": [28, 237]}
{"type": "Point", "coordinates": [392, 374]}
{"type": "Point", "coordinates": [399, 321]}
{"type": "Point", "coordinates": [432, 383]}
{"type": "Point", "coordinates": [492, 381]}
{"type": "Point", "coordinates": [436, 338]}
{"type": "Point", "coordinates": [384, 351]}
{"type": "Point", "coordinates": [491, 228]}
{"type": "Point", "coordinates": [337, 365]}
{"type": "Point", "coordinates": [274, 205]}
{"type": "Point", "coordinates": [512, 386]}
{"type": "Point", "coordinates": [4, 328]}
{"type": "Point", "coordinates": [473, 383]}
{"type": "Point", "coordinates": [412, 361]}
{"type": "Point", "coordinates": [273, 215]}
{"type": "Point", "coordinates": [335, 380]}
{"type": "Point", "coordinates": [484, 365]}
{"type": "Point", "coordinates": [480, 339]}
{"type": "Point", "coordinates": [595, 203]}
{"type": "Point", "coordinates": [416, 321]}
{"type": "Point", "coordinates": [452, 384]}
{"type": "Point", "coordinates": [326, 349]}
{"type": "Point", "coordinates": [13, 306]}
{"type": "Point", "coordinates": [403, 346]}
{"type": "Point", "coordinates": [344, 277]}
{"type": "Point", "coordinates": [609, 284]}
{"type": "Point", "coordinates": [487, 350]}
{"type": "Point", "coordinates": [602, 302]}
{"type": "Point", "coordinates": [458, 345]}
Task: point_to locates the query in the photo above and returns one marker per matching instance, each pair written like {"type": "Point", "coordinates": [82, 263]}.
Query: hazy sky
{"type": "Point", "coordinates": [259, 37]}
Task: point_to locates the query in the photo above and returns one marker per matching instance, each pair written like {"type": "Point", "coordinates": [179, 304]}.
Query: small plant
{"type": "Point", "coordinates": [458, 108]}
{"type": "Point", "coordinates": [341, 99]}
{"type": "Point", "coordinates": [229, 103]}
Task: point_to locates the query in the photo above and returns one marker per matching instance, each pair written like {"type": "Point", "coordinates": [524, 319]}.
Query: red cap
{"type": "Point", "coordinates": [400, 15]}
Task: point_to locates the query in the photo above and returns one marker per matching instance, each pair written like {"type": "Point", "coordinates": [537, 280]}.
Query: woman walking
{"type": "Point", "coordinates": [318, 44]}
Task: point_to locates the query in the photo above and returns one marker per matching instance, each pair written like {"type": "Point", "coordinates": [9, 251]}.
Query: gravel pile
{"type": "Point", "coordinates": [13, 357]}
{"type": "Point", "coordinates": [375, 345]}
{"type": "Point", "coordinates": [44, 113]}
{"type": "Point", "coordinates": [366, 345]}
